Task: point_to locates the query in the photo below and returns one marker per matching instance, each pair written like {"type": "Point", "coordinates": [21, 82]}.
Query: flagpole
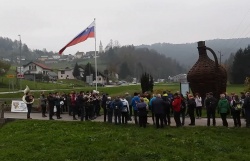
{"type": "Point", "coordinates": [95, 60]}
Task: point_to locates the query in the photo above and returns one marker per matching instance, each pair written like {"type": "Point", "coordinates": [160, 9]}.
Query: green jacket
{"type": "Point", "coordinates": [223, 106]}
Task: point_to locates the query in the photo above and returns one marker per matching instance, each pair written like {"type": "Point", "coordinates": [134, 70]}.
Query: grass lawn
{"type": "Point", "coordinates": [113, 91]}
{"type": "Point", "coordinates": [57, 140]}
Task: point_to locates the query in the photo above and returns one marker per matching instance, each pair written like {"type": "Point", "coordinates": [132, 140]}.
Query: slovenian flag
{"type": "Point", "coordinates": [89, 32]}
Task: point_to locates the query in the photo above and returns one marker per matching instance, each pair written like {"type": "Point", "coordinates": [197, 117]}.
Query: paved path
{"type": "Point", "coordinates": [66, 117]}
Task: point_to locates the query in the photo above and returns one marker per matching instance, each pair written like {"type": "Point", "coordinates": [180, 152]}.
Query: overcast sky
{"type": "Point", "coordinates": [51, 24]}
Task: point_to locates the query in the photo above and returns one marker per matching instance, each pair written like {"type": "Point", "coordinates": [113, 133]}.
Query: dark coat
{"type": "Point", "coordinates": [158, 106]}
{"type": "Point", "coordinates": [142, 109]}
{"type": "Point", "coordinates": [191, 104]}
{"type": "Point", "coordinates": [51, 101]}
{"type": "Point", "coordinates": [211, 103]}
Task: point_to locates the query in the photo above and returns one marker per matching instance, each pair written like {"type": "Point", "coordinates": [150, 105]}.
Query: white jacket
{"type": "Point", "coordinates": [198, 101]}
{"type": "Point", "coordinates": [125, 107]}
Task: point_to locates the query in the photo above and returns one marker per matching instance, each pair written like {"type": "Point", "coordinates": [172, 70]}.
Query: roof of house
{"type": "Point", "coordinates": [53, 74]}
{"type": "Point", "coordinates": [65, 69]}
{"type": "Point", "coordinates": [38, 64]}
{"type": "Point", "coordinates": [79, 53]}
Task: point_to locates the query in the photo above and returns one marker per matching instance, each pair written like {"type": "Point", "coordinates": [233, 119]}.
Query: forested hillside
{"type": "Point", "coordinates": [11, 50]}
{"type": "Point", "coordinates": [129, 62]}
{"type": "Point", "coordinates": [187, 54]}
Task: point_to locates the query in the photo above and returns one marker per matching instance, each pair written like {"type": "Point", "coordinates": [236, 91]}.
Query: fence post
{"type": "Point", "coordinates": [2, 109]}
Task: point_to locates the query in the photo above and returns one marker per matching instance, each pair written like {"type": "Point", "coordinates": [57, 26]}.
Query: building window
{"type": "Point", "coordinates": [32, 67]}
{"type": "Point", "coordinates": [62, 72]}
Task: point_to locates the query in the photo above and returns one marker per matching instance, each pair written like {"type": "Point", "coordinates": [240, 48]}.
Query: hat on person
{"type": "Point", "coordinates": [190, 96]}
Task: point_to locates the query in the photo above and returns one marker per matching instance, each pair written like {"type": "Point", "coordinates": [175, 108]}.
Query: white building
{"type": "Point", "coordinates": [179, 78]}
{"type": "Point", "coordinates": [35, 68]}
{"type": "Point", "coordinates": [79, 55]}
{"type": "Point", "coordinates": [66, 73]}
{"type": "Point", "coordinates": [100, 80]}
{"type": "Point", "coordinates": [56, 56]}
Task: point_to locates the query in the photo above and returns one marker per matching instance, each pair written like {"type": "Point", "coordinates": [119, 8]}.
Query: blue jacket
{"type": "Point", "coordinates": [135, 100]}
{"type": "Point", "coordinates": [117, 104]}
{"type": "Point", "coordinates": [152, 99]}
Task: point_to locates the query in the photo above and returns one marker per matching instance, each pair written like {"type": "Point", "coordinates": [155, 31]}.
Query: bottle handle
{"type": "Point", "coordinates": [215, 57]}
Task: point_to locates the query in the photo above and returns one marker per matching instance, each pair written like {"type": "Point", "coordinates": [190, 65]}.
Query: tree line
{"type": "Point", "coordinates": [130, 62]}
{"type": "Point", "coordinates": [11, 49]}
{"type": "Point", "coordinates": [238, 66]}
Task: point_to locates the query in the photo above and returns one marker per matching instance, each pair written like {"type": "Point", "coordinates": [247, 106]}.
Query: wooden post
{"type": "Point", "coordinates": [2, 110]}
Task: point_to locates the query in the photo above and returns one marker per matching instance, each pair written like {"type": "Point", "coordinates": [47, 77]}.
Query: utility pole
{"type": "Point", "coordinates": [220, 56]}
{"type": "Point", "coordinates": [20, 70]}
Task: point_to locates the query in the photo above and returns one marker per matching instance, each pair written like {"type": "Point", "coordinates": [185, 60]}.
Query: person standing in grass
{"type": "Point", "coordinates": [177, 109]}
{"type": "Point", "coordinates": [117, 106]}
{"type": "Point", "coordinates": [223, 109]}
{"type": "Point", "coordinates": [146, 100]}
{"type": "Point", "coordinates": [73, 104]}
{"type": "Point", "coordinates": [142, 112]}
{"type": "Point", "coordinates": [158, 106]}
{"type": "Point", "coordinates": [151, 108]}
{"type": "Point", "coordinates": [80, 103]}
{"type": "Point", "coordinates": [211, 104]}
{"type": "Point", "coordinates": [183, 109]}
{"type": "Point", "coordinates": [166, 117]}
{"type": "Point", "coordinates": [57, 104]}
{"type": "Point", "coordinates": [198, 101]}
{"type": "Point", "coordinates": [235, 110]}
{"type": "Point", "coordinates": [125, 110]}
{"type": "Point", "coordinates": [51, 103]}
{"type": "Point", "coordinates": [29, 101]}
{"type": "Point", "coordinates": [191, 107]}
{"type": "Point", "coordinates": [242, 98]}
{"type": "Point", "coordinates": [43, 101]}
{"type": "Point", "coordinates": [135, 100]}
{"type": "Point", "coordinates": [69, 103]}
{"type": "Point", "coordinates": [129, 99]}
{"type": "Point", "coordinates": [109, 109]}
{"type": "Point", "coordinates": [246, 106]}
{"type": "Point", "coordinates": [103, 104]}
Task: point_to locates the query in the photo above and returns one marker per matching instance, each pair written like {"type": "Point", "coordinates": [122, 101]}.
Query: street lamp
{"type": "Point", "coordinates": [20, 68]}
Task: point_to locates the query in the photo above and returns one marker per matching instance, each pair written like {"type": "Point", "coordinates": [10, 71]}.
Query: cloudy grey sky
{"type": "Point", "coordinates": [51, 24]}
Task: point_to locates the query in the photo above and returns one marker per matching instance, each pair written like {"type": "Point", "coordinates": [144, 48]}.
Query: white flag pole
{"type": "Point", "coordinates": [95, 60]}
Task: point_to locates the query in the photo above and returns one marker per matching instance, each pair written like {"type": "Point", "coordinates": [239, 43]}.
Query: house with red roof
{"type": "Point", "coordinates": [35, 71]}
{"type": "Point", "coordinates": [36, 68]}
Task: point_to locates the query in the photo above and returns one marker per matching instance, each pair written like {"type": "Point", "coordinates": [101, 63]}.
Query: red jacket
{"type": "Point", "coordinates": [177, 104]}
{"type": "Point", "coordinates": [73, 99]}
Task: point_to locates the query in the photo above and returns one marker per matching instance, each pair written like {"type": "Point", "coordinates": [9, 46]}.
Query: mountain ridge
{"type": "Point", "coordinates": [187, 54]}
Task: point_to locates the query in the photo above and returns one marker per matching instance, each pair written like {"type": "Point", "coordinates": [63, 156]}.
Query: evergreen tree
{"type": "Point", "coordinates": [241, 66]}
{"type": "Point", "coordinates": [124, 70]}
{"type": "Point", "coordinates": [147, 82]}
{"type": "Point", "coordinates": [76, 71]}
{"type": "Point", "coordinates": [88, 70]}
{"type": "Point", "coordinates": [4, 67]}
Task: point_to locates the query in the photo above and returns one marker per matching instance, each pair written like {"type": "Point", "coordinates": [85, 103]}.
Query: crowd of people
{"type": "Point", "coordinates": [84, 105]}
{"type": "Point", "coordinates": [136, 108]}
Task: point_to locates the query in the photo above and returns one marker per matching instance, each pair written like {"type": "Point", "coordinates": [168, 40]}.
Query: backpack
{"type": "Point", "coordinates": [166, 100]}
{"type": "Point", "coordinates": [116, 105]}
{"type": "Point", "coordinates": [108, 105]}
{"type": "Point", "coordinates": [212, 103]}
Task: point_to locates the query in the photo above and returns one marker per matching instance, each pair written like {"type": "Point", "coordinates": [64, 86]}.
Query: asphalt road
{"type": "Point", "coordinates": [66, 117]}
